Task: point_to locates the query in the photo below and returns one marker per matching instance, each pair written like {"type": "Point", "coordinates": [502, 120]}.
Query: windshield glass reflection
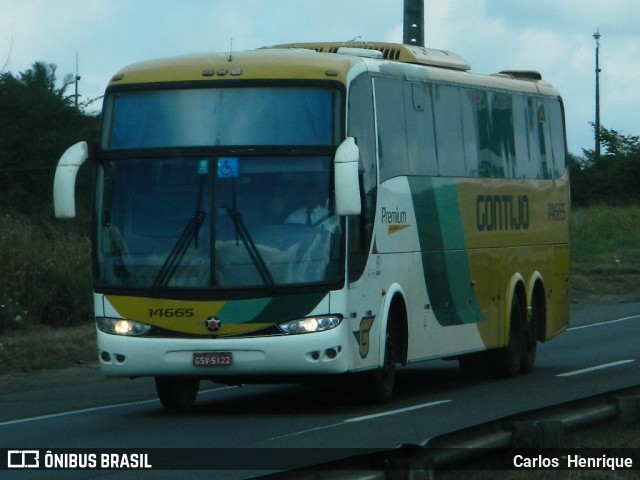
{"type": "Point", "coordinates": [206, 117]}
{"type": "Point", "coordinates": [219, 222]}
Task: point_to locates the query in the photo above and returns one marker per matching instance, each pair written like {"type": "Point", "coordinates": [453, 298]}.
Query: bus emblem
{"type": "Point", "coordinates": [212, 324]}
{"type": "Point", "coordinates": [363, 335]}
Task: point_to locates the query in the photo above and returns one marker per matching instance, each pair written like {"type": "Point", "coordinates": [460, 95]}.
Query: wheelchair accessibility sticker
{"type": "Point", "coordinates": [228, 167]}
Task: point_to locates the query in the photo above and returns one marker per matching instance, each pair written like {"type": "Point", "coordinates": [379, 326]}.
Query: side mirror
{"type": "Point", "coordinates": [346, 179]}
{"type": "Point", "coordinates": [64, 182]}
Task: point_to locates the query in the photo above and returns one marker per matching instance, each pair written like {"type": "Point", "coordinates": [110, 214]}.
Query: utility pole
{"type": "Point", "coordinates": [77, 79]}
{"type": "Point", "coordinates": [596, 151]}
{"type": "Point", "coordinates": [413, 26]}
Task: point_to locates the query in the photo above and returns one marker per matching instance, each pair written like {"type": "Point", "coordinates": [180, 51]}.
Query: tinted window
{"type": "Point", "coordinates": [469, 100]}
{"type": "Point", "coordinates": [361, 125]}
{"type": "Point", "coordinates": [544, 141]}
{"type": "Point", "coordinates": [421, 143]}
{"type": "Point", "coordinates": [554, 112]}
{"type": "Point", "coordinates": [392, 133]}
{"type": "Point", "coordinates": [448, 127]}
{"type": "Point", "coordinates": [464, 131]}
{"type": "Point", "coordinates": [220, 116]}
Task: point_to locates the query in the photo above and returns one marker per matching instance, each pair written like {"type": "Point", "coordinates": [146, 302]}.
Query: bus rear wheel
{"type": "Point", "coordinates": [507, 362]}
{"type": "Point", "coordinates": [177, 392]}
{"type": "Point", "coordinates": [532, 332]}
{"type": "Point", "coordinates": [530, 346]}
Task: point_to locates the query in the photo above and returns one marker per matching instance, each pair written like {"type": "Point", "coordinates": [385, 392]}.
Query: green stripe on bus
{"type": "Point", "coordinates": [445, 261]}
{"type": "Point", "coordinates": [270, 310]}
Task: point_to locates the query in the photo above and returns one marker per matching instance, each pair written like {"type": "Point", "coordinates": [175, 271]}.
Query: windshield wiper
{"type": "Point", "coordinates": [172, 262]}
{"type": "Point", "coordinates": [189, 233]}
{"type": "Point", "coordinates": [249, 244]}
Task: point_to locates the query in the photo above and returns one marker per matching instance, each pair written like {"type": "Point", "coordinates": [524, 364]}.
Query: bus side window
{"type": "Point", "coordinates": [421, 143]}
{"type": "Point", "coordinates": [361, 126]}
{"type": "Point", "coordinates": [482, 120]}
{"type": "Point", "coordinates": [531, 125]}
{"type": "Point", "coordinates": [556, 128]}
{"type": "Point", "coordinates": [503, 136]}
{"type": "Point", "coordinates": [448, 123]}
{"type": "Point", "coordinates": [470, 131]}
{"type": "Point", "coordinates": [523, 167]}
{"type": "Point", "coordinates": [392, 131]}
{"type": "Point", "coordinates": [544, 141]}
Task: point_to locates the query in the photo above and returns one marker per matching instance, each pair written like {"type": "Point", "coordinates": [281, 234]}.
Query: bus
{"type": "Point", "coordinates": [323, 211]}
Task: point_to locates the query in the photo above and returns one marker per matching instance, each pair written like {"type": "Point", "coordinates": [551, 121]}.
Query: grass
{"type": "Point", "coordinates": [45, 282]}
{"type": "Point", "coordinates": [46, 348]}
{"type": "Point", "coordinates": [605, 251]}
{"type": "Point", "coordinates": [45, 295]}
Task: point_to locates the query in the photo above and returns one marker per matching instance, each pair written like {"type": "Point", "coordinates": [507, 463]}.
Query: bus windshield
{"type": "Point", "coordinates": [211, 117]}
{"type": "Point", "coordinates": [217, 223]}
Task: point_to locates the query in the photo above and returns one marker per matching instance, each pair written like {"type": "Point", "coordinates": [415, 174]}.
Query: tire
{"type": "Point", "coordinates": [177, 392]}
{"type": "Point", "coordinates": [530, 345]}
{"type": "Point", "coordinates": [507, 361]}
{"type": "Point", "coordinates": [378, 385]}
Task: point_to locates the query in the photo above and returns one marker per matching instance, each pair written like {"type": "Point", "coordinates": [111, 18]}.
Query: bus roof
{"type": "Point", "coordinates": [254, 64]}
{"type": "Point", "coordinates": [327, 61]}
{"type": "Point", "coordinates": [390, 51]}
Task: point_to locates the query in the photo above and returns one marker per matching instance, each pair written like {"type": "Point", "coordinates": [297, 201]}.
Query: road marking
{"type": "Point", "coordinates": [92, 409]}
{"type": "Point", "coordinates": [394, 412]}
{"type": "Point", "coordinates": [363, 418]}
{"type": "Point", "coordinates": [603, 323]}
{"type": "Point", "coordinates": [597, 367]}
{"type": "Point", "coordinates": [72, 412]}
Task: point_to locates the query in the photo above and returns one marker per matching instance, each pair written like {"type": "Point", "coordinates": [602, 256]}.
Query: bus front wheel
{"type": "Point", "coordinates": [378, 385]}
{"type": "Point", "coordinates": [177, 392]}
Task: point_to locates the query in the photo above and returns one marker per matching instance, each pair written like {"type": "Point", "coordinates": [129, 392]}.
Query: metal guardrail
{"type": "Point", "coordinates": [538, 429]}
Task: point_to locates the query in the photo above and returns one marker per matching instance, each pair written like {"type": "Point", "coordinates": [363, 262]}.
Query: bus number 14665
{"type": "Point", "coordinates": [171, 312]}
{"type": "Point", "coordinates": [557, 211]}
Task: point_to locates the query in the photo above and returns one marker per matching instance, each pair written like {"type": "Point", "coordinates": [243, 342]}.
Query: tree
{"type": "Point", "coordinates": [37, 124]}
{"type": "Point", "coordinates": [613, 178]}
{"type": "Point", "coordinates": [580, 183]}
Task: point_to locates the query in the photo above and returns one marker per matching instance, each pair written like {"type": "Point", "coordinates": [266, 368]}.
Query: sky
{"type": "Point", "coordinates": [554, 37]}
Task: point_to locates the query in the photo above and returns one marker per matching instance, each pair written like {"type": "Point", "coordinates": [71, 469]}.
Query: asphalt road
{"type": "Point", "coordinates": [78, 408]}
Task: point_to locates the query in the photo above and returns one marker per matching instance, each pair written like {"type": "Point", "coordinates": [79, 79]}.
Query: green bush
{"type": "Point", "coordinates": [46, 274]}
{"type": "Point", "coordinates": [612, 177]}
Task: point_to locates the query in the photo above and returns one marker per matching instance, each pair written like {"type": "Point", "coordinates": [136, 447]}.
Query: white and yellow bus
{"type": "Point", "coordinates": [309, 210]}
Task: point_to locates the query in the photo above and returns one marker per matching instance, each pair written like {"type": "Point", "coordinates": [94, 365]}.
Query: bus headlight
{"type": "Point", "coordinates": [311, 324]}
{"type": "Point", "coordinates": [121, 326]}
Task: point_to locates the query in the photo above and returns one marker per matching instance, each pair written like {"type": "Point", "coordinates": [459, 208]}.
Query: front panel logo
{"type": "Point", "coordinates": [212, 324]}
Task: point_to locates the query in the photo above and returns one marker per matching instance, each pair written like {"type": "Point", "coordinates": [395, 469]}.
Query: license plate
{"type": "Point", "coordinates": [212, 359]}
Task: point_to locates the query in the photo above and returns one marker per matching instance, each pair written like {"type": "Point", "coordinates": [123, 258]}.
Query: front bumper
{"type": "Point", "coordinates": [320, 353]}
